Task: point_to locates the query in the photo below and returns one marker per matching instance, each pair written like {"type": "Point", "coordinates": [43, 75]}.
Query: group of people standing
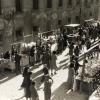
{"type": "Point", "coordinates": [29, 86]}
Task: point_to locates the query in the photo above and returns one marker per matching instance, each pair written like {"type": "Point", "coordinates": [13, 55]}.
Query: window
{"type": "Point", "coordinates": [59, 22]}
{"type": "Point", "coordinates": [0, 7]}
{"type": "Point", "coordinates": [60, 3]}
{"type": "Point", "coordinates": [18, 4]}
{"type": "Point", "coordinates": [85, 2]}
{"type": "Point", "coordinates": [77, 2]}
{"type": "Point", "coordinates": [90, 14]}
{"type": "Point", "coordinates": [35, 4]}
{"type": "Point", "coordinates": [77, 19]}
{"type": "Point", "coordinates": [1, 37]}
{"type": "Point", "coordinates": [19, 34]}
{"type": "Point", "coordinates": [69, 20]}
{"type": "Point", "coordinates": [49, 3]}
{"type": "Point", "coordinates": [35, 28]}
{"type": "Point", "coordinates": [69, 2]}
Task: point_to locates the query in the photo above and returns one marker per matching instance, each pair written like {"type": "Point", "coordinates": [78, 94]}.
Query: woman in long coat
{"type": "Point", "coordinates": [34, 94]}
{"type": "Point", "coordinates": [27, 86]}
{"type": "Point", "coordinates": [53, 63]}
{"type": "Point", "coordinates": [47, 87]}
{"type": "Point", "coordinates": [70, 80]}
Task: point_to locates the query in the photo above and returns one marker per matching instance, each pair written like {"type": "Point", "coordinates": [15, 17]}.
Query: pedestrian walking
{"type": "Point", "coordinates": [32, 56]}
{"type": "Point", "coordinates": [27, 86]}
{"type": "Point", "coordinates": [17, 63]}
{"type": "Point", "coordinates": [34, 93]}
{"type": "Point", "coordinates": [76, 51]}
{"type": "Point", "coordinates": [70, 80]}
{"type": "Point", "coordinates": [25, 73]}
{"type": "Point", "coordinates": [53, 63]}
{"type": "Point", "coordinates": [48, 81]}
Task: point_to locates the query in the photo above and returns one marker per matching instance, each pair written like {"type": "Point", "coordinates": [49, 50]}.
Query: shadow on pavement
{"type": "Point", "coordinates": [7, 75]}
{"type": "Point", "coordinates": [61, 94]}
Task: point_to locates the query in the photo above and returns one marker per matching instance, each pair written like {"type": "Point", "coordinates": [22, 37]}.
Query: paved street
{"type": "Point", "coordinates": [10, 83]}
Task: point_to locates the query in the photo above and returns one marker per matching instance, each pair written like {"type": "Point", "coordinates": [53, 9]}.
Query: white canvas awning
{"type": "Point", "coordinates": [89, 20]}
{"type": "Point", "coordinates": [72, 25]}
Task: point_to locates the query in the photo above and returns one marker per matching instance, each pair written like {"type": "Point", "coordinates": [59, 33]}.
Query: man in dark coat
{"type": "Point", "coordinates": [17, 63]}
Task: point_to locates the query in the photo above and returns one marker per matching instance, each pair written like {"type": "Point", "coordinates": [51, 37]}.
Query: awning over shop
{"type": "Point", "coordinates": [72, 25]}
{"type": "Point", "coordinates": [89, 20]}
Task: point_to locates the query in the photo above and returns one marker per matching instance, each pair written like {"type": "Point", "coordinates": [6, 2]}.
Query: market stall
{"type": "Point", "coordinates": [7, 64]}
{"type": "Point", "coordinates": [88, 73]}
{"type": "Point", "coordinates": [90, 22]}
{"type": "Point", "coordinates": [71, 28]}
{"type": "Point", "coordinates": [25, 47]}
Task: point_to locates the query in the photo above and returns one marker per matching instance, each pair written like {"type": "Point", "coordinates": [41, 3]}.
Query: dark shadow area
{"type": "Point", "coordinates": [63, 60]}
{"type": "Point", "coordinates": [61, 94]}
{"type": "Point", "coordinates": [6, 75]}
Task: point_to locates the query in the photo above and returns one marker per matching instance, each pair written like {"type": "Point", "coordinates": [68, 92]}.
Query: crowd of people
{"type": "Point", "coordinates": [42, 53]}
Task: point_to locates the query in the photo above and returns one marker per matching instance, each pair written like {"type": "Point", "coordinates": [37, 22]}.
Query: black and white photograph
{"type": "Point", "coordinates": [49, 49]}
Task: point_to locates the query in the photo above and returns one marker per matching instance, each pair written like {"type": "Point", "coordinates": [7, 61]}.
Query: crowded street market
{"type": "Point", "coordinates": [78, 42]}
{"type": "Point", "coordinates": [49, 49]}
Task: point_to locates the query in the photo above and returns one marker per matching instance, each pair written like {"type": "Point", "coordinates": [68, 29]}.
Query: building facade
{"type": "Point", "coordinates": [19, 18]}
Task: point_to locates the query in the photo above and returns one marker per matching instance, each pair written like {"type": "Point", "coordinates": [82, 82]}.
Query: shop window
{"type": "Point", "coordinates": [35, 4]}
{"type": "Point", "coordinates": [60, 3]}
{"type": "Point", "coordinates": [19, 34]}
{"type": "Point", "coordinates": [49, 3]}
{"type": "Point", "coordinates": [18, 4]}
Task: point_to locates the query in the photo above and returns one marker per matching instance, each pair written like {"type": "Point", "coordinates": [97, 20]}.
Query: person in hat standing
{"type": "Point", "coordinates": [17, 63]}
{"type": "Point", "coordinates": [53, 62]}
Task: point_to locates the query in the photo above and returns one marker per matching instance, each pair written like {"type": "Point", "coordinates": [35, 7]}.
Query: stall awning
{"type": "Point", "coordinates": [1, 24]}
{"type": "Point", "coordinates": [89, 20]}
{"type": "Point", "coordinates": [72, 25]}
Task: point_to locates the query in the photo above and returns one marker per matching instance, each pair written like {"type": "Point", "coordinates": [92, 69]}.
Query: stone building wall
{"type": "Point", "coordinates": [45, 18]}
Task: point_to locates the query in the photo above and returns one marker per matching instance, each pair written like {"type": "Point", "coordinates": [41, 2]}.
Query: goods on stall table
{"type": "Point", "coordinates": [25, 47]}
